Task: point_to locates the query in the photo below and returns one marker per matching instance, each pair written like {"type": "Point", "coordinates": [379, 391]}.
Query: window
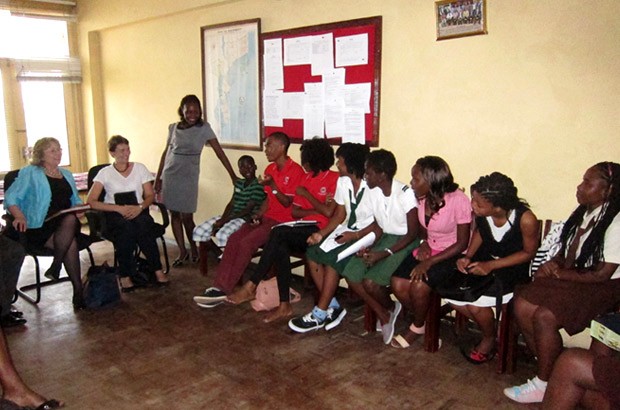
{"type": "Point", "coordinates": [38, 88]}
{"type": "Point", "coordinates": [4, 141]}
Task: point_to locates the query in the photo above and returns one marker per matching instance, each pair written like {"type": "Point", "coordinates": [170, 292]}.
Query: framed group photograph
{"type": "Point", "coordinates": [231, 59]}
{"type": "Point", "coordinates": [460, 18]}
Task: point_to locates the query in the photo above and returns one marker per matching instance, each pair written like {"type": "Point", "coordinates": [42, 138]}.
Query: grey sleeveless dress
{"type": "Point", "coordinates": [182, 166]}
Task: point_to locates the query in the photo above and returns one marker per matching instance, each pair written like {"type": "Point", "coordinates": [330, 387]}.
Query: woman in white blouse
{"type": "Point", "coordinates": [128, 195]}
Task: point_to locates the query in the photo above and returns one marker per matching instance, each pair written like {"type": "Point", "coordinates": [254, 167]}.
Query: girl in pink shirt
{"type": "Point", "coordinates": [445, 218]}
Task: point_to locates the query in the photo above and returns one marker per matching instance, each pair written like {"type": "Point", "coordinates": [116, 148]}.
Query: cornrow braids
{"type": "Point", "coordinates": [593, 247]}
{"type": "Point", "coordinates": [499, 190]}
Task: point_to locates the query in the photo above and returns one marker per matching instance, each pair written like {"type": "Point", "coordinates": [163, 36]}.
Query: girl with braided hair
{"type": "Point", "coordinates": [579, 283]}
{"type": "Point", "coordinates": [502, 245]}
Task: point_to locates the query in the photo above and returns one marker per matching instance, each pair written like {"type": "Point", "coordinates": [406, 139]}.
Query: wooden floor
{"type": "Point", "coordinates": [158, 350]}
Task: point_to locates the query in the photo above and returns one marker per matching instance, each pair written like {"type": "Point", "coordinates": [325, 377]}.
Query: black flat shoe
{"type": "Point", "coordinates": [12, 321]}
{"type": "Point", "coordinates": [15, 312]}
{"type": "Point", "coordinates": [52, 274]}
{"type": "Point", "coordinates": [78, 304]}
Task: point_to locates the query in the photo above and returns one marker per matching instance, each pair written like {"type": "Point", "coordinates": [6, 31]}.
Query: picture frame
{"type": "Point", "coordinates": [460, 18]}
{"type": "Point", "coordinates": [231, 60]}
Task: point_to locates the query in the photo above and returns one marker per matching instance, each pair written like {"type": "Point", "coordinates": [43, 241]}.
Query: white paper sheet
{"type": "Point", "coordinates": [298, 50]}
{"type": "Point", "coordinates": [354, 125]}
{"type": "Point", "coordinates": [352, 50]}
{"type": "Point", "coordinates": [272, 64]}
{"type": "Point", "coordinates": [330, 242]}
{"type": "Point", "coordinates": [365, 242]}
{"type": "Point", "coordinates": [313, 110]}
{"type": "Point", "coordinates": [293, 106]}
{"type": "Point", "coordinates": [272, 108]}
{"type": "Point", "coordinates": [357, 96]}
{"type": "Point", "coordinates": [322, 53]}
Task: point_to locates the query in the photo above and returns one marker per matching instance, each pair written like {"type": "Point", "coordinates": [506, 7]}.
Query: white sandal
{"type": "Point", "coordinates": [399, 342]}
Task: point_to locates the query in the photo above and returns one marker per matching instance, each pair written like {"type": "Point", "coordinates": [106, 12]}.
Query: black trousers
{"type": "Point", "coordinates": [282, 241]}
{"type": "Point", "coordinates": [11, 258]}
{"type": "Point", "coordinates": [126, 234]}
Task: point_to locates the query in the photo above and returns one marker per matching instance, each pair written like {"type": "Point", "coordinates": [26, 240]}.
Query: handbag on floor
{"type": "Point", "coordinates": [101, 287]}
{"type": "Point", "coordinates": [268, 297]}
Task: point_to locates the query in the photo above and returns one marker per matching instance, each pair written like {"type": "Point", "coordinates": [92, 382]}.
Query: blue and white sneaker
{"type": "Point", "coordinates": [306, 323]}
{"type": "Point", "coordinates": [334, 317]}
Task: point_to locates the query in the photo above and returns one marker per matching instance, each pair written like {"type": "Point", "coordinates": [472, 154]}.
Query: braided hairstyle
{"type": "Point", "coordinates": [500, 191]}
{"type": "Point", "coordinates": [437, 174]}
{"type": "Point", "coordinates": [592, 250]}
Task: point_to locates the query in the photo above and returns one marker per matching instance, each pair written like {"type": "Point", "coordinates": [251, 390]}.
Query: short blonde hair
{"type": "Point", "coordinates": [39, 148]}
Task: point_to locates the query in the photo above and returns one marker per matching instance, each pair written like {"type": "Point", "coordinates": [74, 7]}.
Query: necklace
{"type": "Point", "coordinates": [55, 173]}
{"type": "Point", "coordinates": [116, 168]}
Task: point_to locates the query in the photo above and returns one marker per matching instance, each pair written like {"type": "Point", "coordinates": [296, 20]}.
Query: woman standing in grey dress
{"type": "Point", "coordinates": [179, 168]}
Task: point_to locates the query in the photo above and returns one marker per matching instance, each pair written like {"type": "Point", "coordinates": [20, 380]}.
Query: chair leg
{"type": "Point", "coordinates": [21, 291]}
{"type": "Point", "coordinates": [433, 317]}
{"type": "Point", "coordinates": [165, 252]}
{"type": "Point", "coordinates": [503, 333]}
{"type": "Point", "coordinates": [203, 253]}
{"type": "Point", "coordinates": [511, 341]}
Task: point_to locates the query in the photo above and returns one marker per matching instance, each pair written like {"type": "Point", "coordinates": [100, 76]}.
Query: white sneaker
{"type": "Point", "coordinates": [526, 393]}
{"type": "Point", "coordinates": [388, 328]}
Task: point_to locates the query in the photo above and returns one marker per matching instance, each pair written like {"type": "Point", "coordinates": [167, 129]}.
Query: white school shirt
{"type": "Point", "coordinates": [391, 212]}
{"type": "Point", "coordinates": [345, 195]}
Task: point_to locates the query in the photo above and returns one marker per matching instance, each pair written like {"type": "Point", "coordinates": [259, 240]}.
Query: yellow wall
{"type": "Point", "coordinates": [536, 98]}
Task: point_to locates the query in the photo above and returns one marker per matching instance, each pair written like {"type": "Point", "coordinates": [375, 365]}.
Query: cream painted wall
{"type": "Point", "coordinates": [536, 98]}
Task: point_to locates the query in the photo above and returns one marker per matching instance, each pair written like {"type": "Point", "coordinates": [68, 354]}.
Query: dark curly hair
{"type": "Point", "coordinates": [354, 156]}
{"type": "Point", "coordinates": [592, 249]}
{"type": "Point", "coordinates": [499, 190]}
{"type": "Point", "coordinates": [382, 161]}
{"type": "Point", "coordinates": [318, 154]}
{"type": "Point", "coordinates": [189, 99]}
{"type": "Point", "coordinates": [437, 174]}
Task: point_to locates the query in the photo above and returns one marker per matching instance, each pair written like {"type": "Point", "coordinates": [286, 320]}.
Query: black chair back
{"type": "Point", "coordinates": [92, 173]}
